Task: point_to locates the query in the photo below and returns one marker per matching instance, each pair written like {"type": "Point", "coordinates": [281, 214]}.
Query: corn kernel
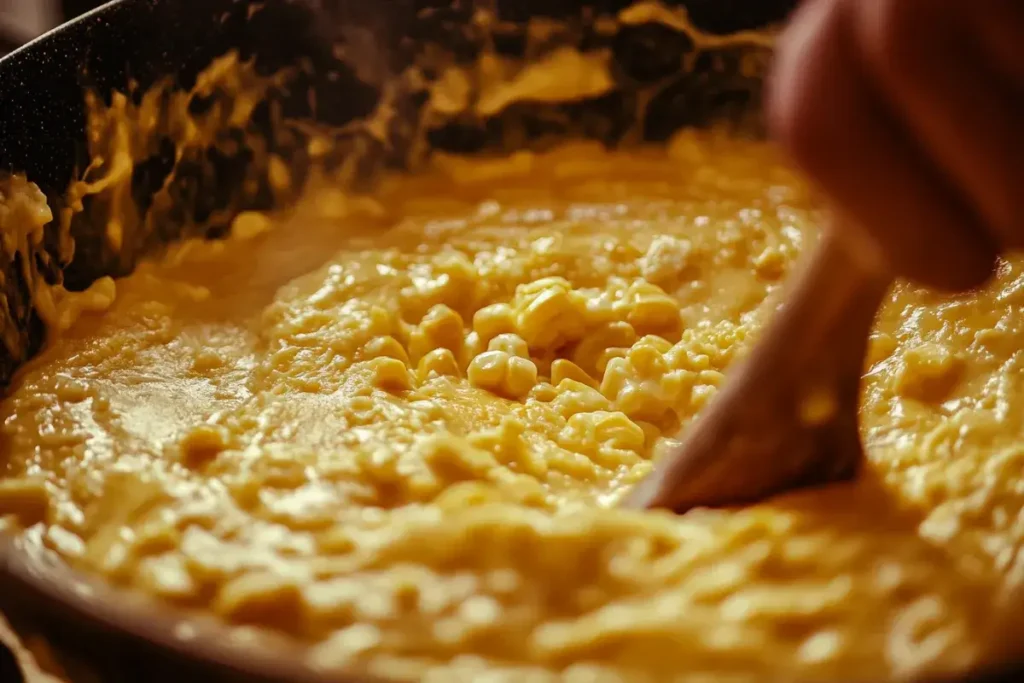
{"type": "Point", "coordinates": [390, 374]}
{"type": "Point", "coordinates": [487, 371]}
{"type": "Point", "coordinates": [385, 347]}
{"type": "Point", "coordinates": [548, 313]}
{"type": "Point", "coordinates": [459, 279]}
{"type": "Point", "coordinates": [437, 363]}
{"type": "Point", "coordinates": [659, 344]}
{"type": "Point", "coordinates": [450, 279]}
{"type": "Point", "coordinates": [443, 327]}
{"type": "Point", "coordinates": [639, 402]}
{"type": "Point", "coordinates": [600, 306]}
{"type": "Point", "coordinates": [654, 313]}
{"type": "Point", "coordinates": [589, 351]}
{"type": "Point", "coordinates": [502, 374]}
{"type": "Point", "coordinates": [543, 392]}
{"type": "Point", "coordinates": [512, 344]}
{"type": "Point", "coordinates": [562, 369]}
{"type": "Point", "coordinates": [382, 321]}
{"type": "Point", "coordinates": [575, 397]}
{"type": "Point", "coordinates": [472, 347]}
{"type": "Point", "coordinates": [521, 376]}
{"type": "Point", "coordinates": [641, 385]}
{"type": "Point", "coordinates": [617, 430]}
{"type": "Point", "coordinates": [490, 321]}
{"type": "Point", "coordinates": [203, 443]}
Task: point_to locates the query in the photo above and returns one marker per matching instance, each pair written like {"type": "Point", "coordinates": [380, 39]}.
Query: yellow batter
{"type": "Point", "coordinates": [397, 429]}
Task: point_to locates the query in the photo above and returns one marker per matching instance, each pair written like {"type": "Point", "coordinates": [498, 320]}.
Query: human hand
{"type": "Point", "coordinates": [909, 115]}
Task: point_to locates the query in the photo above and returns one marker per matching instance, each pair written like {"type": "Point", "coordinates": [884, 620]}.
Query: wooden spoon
{"type": "Point", "coordinates": [787, 415]}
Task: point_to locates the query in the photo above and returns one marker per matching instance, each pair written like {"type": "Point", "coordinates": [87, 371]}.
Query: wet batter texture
{"type": "Point", "coordinates": [397, 429]}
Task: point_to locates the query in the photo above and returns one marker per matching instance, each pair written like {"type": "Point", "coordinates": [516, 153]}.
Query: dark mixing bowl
{"type": "Point", "coordinates": [92, 632]}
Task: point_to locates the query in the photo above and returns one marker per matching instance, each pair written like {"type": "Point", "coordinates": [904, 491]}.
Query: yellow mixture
{"type": "Point", "coordinates": [398, 429]}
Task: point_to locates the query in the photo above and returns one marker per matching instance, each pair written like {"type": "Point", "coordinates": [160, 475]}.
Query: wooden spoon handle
{"type": "Point", "coordinates": [787, 415]}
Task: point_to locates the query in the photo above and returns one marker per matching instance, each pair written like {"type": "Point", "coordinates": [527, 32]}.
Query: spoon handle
{"type": "Point", "coordinates": [787, 415]}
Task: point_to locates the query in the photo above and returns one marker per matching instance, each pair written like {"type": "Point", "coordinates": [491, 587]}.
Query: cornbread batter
{"type": "Point", "coordinates": [397, 429]}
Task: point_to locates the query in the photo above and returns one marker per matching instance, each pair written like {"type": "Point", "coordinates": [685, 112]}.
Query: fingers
{"type": "Point", "coordinates": [999, 27]}
{"type": "Point", "coordinates": [827, 114]}
{"type": "Point", "coordinates": [956, 100]}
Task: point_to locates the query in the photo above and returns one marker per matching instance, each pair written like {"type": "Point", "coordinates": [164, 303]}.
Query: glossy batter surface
{"type": "Point", "coordinates": [397, 429]}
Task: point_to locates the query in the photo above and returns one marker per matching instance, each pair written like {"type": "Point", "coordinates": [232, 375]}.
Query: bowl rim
{"type": "Point", "coordinates": [34, 575]}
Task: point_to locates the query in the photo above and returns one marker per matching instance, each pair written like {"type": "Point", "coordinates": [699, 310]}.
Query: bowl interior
{"type": "Point", "coordinates": [328, 66]}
